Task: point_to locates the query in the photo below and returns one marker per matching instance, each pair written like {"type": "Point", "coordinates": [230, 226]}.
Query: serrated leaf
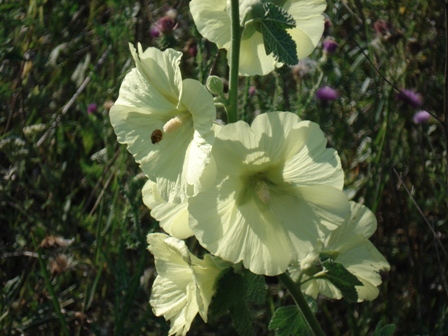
{"type": "Point", "coordinates": [255, 288]}
{"type": "Point", "coordinates": [279, 42]}
{"type": "Point", "coordinates": [226, 294]}
{"type": "Point", "coordinates": [278, 15]}
{"type": "Point", "coordinates": [242, 320]}
{"type": "Point", "coordinates": [345, 281]}
{"type": "Point", "coordinates": [384, 330]}
{"type": "Point", "coordinates": [276, 40]}
{"type": "Point", "coordinates": [289, 321]}
{"type": "Point", "coordinates": [237, 293]}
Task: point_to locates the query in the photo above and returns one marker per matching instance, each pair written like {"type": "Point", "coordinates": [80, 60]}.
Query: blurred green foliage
{"type": "Point", "coordinates": [63, 174]}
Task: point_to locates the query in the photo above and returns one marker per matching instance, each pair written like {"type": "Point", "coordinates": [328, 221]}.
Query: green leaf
{"type": "Point", "coordinates": [289, 321]}
{"type": "Point", "coordinates": [384, 330]}
{"type": "Point", "coordinates": [345, 281]}
{"type": "Point", "coordinates": [276, 39]}
{"type": "Point", "coordinates": [278, 15]}
{"type": "Point", "coordinates": [237, 294]}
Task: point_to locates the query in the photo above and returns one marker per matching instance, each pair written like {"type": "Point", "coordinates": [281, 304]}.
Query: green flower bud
{"type": "Point", "coordinates": [215, 85]}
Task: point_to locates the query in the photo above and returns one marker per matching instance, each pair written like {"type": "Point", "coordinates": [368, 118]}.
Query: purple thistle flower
{"type": "Point", "coordinates": [330, 45]}
{"type": "Point", "coordinates": [165, 25]}
{"type": "Point", "coordinates": [155, 31]}
{"type": "Point", "coordinates": [92, 108]}
{"type": "Point", "coordinates": [326, 93]}
{"type": "Point", "coordinates": [421, 117]}
{"type": "Point", "coordinates": [252, 90]}
{"type": "Point", "coordinates": [411, 97]}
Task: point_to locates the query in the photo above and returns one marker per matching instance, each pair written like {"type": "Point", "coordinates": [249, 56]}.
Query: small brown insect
{"type": "Point", "coordinates": [156, 136]}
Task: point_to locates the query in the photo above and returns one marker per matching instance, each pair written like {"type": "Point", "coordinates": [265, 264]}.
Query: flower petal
{"type": "Point", "coordinates": [314, 164]}
{"type": "Point", "coordinates": [253, 57]}
{"type": "Point", "coordinates": [160, 69]}
{"type": "Point", "coordinates": [212, 20]}
{"type": "Point", "coordinates": [200, 103]}
{"type": "Point", "coordinates": [309, 24]}
{"type": "Point", "coordinates": [173, 217]}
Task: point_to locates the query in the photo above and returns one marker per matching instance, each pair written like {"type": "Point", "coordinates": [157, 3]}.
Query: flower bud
{"type": "Point", "coordinates": [215, 85]}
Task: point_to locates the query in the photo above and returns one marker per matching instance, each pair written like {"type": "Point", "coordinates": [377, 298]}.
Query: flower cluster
{"type": "Point", "coordinates": [267, 196]}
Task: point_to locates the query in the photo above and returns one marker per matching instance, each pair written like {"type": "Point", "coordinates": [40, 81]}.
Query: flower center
{"type": "Point", "coordinates": [176, 122]}
{"type": "Point", "coordinates": [261, 186]}
{"type": "Point", "coordinates": [262, 191]}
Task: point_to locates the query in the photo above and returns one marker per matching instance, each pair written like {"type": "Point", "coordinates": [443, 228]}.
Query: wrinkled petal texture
{"type": "Point", "coordinates": [184, 285]}
{"type": "Point", "coordinates": [173, 291]}
{"type": "Point", "coordinates": [151, 95]}
{"type": "Point", "coordinates": [230, 218]}
{"type": "Point", "coordinates": [213, 22]}
{"type": "Point", "coordinates": [173, 218]}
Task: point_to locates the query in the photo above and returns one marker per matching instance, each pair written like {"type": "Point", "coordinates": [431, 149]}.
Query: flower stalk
{"type": "Point", "coordinates": [303, 305]}
{"type": "Point", "coordinates": [232, 106]}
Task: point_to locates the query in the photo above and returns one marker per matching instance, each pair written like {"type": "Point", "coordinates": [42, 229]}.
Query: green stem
{"type": "Point", "coordinates": [301, 302]}
{"type": "Point", "coordinates": [232, 107]}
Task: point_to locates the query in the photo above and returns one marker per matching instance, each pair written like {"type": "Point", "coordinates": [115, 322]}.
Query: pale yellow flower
{"type": "Point", "coordinates": [212, 19]}
{"type": "Point", "coordinates": [184, 285]}
{"type": "Point", "coordinates": [277, 189]}
{"type": "Point", "coordinates": [166, 122]}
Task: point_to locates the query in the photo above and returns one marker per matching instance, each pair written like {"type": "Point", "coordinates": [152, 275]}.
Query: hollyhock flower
{"type": "Point", "coordinates": [411, 97]}
{"type": "Point", "coordinates": [166, 122]}
{"type": "Point", "coordinates": [277, 188]}
{"type": "Point", "coordinates": [326, 93]}
{"type": "Point", "coordinates": [173, 218]}
{"type": "Point", "coordinates": [421, 117]}
{"type": "Point", "coordinates": [184, 285]}
{"type": "Point", "coordinates": [348, 245]}
{"type": "Point", "coordinates": [212, 19]}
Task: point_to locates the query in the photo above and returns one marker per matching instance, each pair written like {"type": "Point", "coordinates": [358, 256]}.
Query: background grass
{"type": "Point", "coordinates": [69, 178]}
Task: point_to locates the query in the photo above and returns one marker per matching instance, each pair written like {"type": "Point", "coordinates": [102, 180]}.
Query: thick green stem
{"type": "Point", "coordinates": [232, 107]}
{"type": "Point", "coordinates": [301, 302]}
